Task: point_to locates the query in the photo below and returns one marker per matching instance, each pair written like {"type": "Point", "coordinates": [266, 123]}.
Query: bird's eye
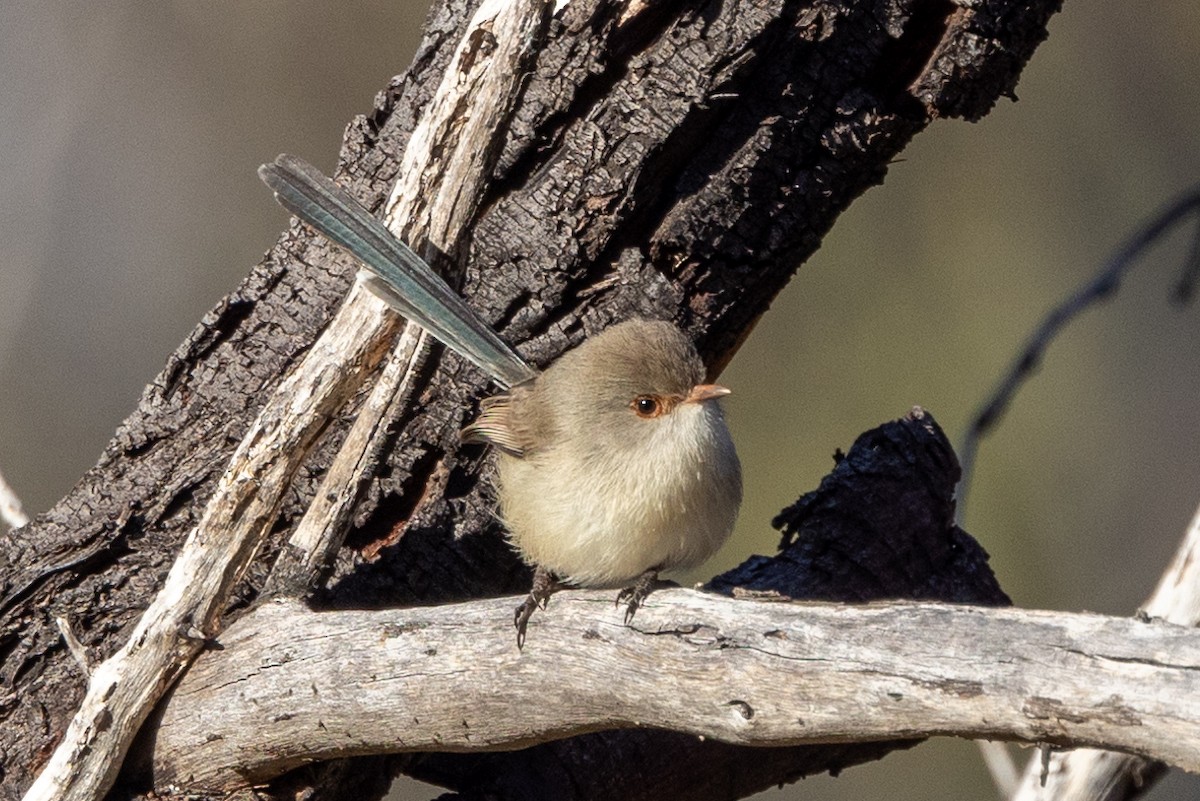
{"type": "Point", "coordinates": [647, 406]}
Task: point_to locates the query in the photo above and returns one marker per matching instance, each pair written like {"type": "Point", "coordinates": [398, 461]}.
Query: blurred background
{"type": "Point", "coordinates": [129, 137]}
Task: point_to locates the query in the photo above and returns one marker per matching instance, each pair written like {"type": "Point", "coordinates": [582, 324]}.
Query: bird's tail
{"type": "Point", "coordinates": [402, 278]}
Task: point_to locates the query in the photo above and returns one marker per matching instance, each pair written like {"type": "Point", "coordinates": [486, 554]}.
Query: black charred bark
{"type": "Point", "coordinates": [679, 164]}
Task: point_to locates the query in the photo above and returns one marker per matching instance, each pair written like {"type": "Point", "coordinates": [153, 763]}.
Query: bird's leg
{"type": "Point", "coordinates": [634, 594]}
{"type": "Point", "coordinates": [545, 584]}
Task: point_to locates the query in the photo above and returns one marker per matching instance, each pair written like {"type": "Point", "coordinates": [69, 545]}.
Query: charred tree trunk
{"type": "Point", "coordinates": [668, 160]}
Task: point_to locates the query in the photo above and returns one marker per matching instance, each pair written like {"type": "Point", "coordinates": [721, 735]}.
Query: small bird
{"type": "Point", "coordinates": [613, 464]}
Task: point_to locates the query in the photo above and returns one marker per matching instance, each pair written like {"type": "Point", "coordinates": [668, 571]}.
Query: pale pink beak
{"type": "Point", "coordinates": [703, 392]}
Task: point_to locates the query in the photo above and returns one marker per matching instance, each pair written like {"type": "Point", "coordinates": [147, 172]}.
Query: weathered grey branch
{"type": "Point", "coordinates": [289, 686]}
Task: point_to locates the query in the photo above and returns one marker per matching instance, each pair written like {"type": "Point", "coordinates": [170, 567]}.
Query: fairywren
{"type": "Point", "coordinates": [614, 463]}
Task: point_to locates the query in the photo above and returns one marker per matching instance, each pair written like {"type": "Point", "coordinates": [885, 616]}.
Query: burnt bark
{"type": "Point", "coordinates": [680, 162]}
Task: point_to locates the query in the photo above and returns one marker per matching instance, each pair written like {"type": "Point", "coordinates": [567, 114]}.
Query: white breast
{"type": "Point", "coordinates": [602, 519]}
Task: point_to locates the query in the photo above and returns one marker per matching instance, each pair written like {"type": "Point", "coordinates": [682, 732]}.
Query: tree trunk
{"type": "Point", "coordinates": [667, 160]}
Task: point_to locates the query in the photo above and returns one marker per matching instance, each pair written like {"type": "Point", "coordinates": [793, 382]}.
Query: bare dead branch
{"type": "Point", "coordinates": [290, 686]}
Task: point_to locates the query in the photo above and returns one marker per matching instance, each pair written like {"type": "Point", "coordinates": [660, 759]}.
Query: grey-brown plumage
{"type": "Point", "coordinates": [599, 491]}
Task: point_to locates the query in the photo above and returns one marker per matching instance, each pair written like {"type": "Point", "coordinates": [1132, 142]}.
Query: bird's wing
{"type": "Point", "coordinates": [493, 427]}
{"type": "Point", "coordinates": [404, 279]}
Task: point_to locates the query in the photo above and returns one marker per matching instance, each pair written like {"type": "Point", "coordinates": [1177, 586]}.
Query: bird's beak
{"type": "Point", "coordinates": [703, 392]}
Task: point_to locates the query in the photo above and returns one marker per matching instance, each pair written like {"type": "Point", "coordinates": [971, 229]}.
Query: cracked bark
{"type": "Point", "coordinates": [292, 685]}
{"type": "Point", "coordinates": [674, 161]}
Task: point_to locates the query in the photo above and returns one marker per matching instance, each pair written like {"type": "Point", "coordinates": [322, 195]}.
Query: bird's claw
{"type": "Point", "coordinates": [521, 617]}
{"type": "Point", "coordinates": [544, 585]}
{"type": "Point", "coordinates": [634, 595]}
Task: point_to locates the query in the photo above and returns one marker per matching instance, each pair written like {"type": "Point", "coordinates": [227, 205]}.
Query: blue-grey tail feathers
{"type": "Point", "coordinates": [404, 279]}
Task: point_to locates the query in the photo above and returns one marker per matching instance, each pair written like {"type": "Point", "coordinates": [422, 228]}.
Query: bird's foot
{"type": "Point", "coordinates": [633, 595]}
{"type": "Point", "coordinates": [544, 585]}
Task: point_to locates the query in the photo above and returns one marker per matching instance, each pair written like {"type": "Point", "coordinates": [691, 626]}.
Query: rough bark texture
{"type": "Point", "coordinates": [291, 686]}
{"type": "Point", "coordinates": [675, 160]}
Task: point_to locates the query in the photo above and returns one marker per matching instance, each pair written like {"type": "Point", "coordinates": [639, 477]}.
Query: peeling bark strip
{"type": "Point", "coordinates": [285, 689]}
{"type": "Point", "coordinates": [674, 160]}
{"type": "Point", "coordinates": [446, 168]}
{"type": "Point", "coordinates": [321, 532]}
{"type": "Point", "coordinates": [449, 159]}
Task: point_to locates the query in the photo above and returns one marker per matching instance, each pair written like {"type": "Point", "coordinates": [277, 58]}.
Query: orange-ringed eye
{"type": "Point", "coordinates": [647, 406]}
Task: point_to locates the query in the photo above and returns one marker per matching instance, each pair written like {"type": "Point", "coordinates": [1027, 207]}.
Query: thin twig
{"type": "Point", "coordinates": [1187, 282]}
{"type": "Point", "coordinates": [1100, 288]}
{"type": "Point", "coordinates": [11, 511]}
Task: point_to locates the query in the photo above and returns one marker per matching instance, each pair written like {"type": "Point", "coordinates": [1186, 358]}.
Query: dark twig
{"type": "Point", "coordinates": [1100, 288]}
{"type": "Point", "coordinates": [1187, 282]}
